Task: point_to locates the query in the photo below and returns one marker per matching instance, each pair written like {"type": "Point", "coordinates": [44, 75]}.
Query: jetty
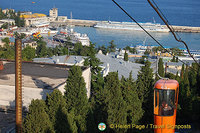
{"type": "Point", "coordinates": [91, 23]}
{"type": "Point", "coordinates": [75, 22]}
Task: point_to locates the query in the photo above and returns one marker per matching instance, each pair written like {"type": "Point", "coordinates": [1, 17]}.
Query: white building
{"type": "Point", "coordinates": [53, 12]}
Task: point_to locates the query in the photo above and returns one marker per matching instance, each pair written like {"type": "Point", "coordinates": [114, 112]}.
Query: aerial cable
{"type": "Point", "coordinates": [165, 17]}
{"type": "Point", "coordinates": [179, 40]}
{"type": "Point", "coordinates": [146, 31]}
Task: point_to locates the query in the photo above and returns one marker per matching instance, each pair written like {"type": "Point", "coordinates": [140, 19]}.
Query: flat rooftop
{"type": "Point", "coordinates": [35, 75]}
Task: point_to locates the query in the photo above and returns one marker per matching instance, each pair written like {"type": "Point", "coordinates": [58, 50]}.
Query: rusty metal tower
{"type": "Point", "coordinates": [18, 84]}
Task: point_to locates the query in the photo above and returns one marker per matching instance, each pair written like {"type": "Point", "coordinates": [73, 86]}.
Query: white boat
{"type": "Point", "coordinates": [156, 27]}
{"type": "Point", "coordinates": [74, 37]}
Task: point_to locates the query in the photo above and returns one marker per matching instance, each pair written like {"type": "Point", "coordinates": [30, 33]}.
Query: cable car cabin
{"type": "Point", "coordinates": [165, 105]}
{"type": "Point", "coordinates": [1, 65]}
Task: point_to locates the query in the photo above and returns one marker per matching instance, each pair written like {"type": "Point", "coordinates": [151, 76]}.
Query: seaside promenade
{"type": "Point", "coordinates": [91, 23]}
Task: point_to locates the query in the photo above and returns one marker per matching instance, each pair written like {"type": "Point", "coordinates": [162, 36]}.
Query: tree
{"type": "Point", "coordinates": [173, 59]}
{"type": "Point", "coordinates": [76, 98]}
{"type": "Point", "coordinates": [112, 47]}
{"type": "Point", "coordinates": [28, 53]}
{"type": "Point", "coordinates": [6, 40]}
{"type": "Point", "coordinates": [56, 109]}
{"type": "Point", "coordinates": [41, 50]}
{"type": "Point", "coordinates": [125, 56]}
{"type": "Point", "coordinates": [116, 106]}
{"type": "Point", "coordinates": [130, 95]}
{"type": "Point", "coordinates": [5, 26]}
{"type": "Point", "coordinates": [145, 91]}
{"type": "Point", "coordinates": [92, 61]}
{"type": "Point", "coordinates": [161, 67]}
{"type": "Point", "coordinates": [103, 49]}
{"type": "Point", "coordinates": [37, 120]}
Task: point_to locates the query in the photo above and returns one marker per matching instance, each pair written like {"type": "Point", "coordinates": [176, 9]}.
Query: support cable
{"type": "Point", "coordinates": [146, 31]}
{"type": "Point", "coordinates": [179, 40]}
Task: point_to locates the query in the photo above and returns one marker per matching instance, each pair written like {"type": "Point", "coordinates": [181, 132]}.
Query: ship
{"type": "Point", "coordinates": [155, 27]}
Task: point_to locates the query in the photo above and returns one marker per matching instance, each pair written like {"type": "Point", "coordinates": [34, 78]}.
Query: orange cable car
{"type": "Point", "coordinates": [165, 105]}
{"type": "Point", "coordinates": [1, 65]}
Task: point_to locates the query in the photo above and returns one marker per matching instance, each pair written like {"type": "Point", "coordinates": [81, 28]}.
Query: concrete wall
{"type": "Point", "coordinates": [7, 95]}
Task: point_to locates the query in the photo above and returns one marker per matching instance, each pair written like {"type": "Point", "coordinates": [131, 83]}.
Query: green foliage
{"type": "Point", "coordinates": [145, 91]}
{"type": "Point", "coordinates": [6, 40]}
{"type": "Point", "coordinates": [156, 49]}
{"type": "Point", "coordinates": [125, 56]}
{"type": "Point", "coordinates": [112, 47]}
{"type": "Point", "coordinates": [147, 52]}
{"type": "Point", "coordinates": [145, 81]}
{"type": "Point", "coordinates": [176, 51]}
{"type": "Point", "coordinates": [161, 67]}
{"type": "Point", "coordinates": [2, 15]}
{"type": "Point", "coordinates": [41, 50]}
{"type": "Point", "coordinates": [37, 120]}
{"type": "Point", "coordinates": [131, 50]}
{"type": "Point", "coordinates": [56, 110]}
{"type": "Point", "coordinates": [8, 51]}
{"type": "Point", "coordinates": [116, 106]}
{"type": "Point", "coordinates": [173, 59]}
{"type": "Point", "coordinates": [130, 95]}
{"type": "Point", "coordinates": [103, 49]}
{"type": "Point", "coordinates": [28, 53]}
{"type": "Point", "coordinates": [92, 61]}
{"type": "Point", "coordinates": [4, 26]}
{"type": "Point", "coordinates": [76, 97]}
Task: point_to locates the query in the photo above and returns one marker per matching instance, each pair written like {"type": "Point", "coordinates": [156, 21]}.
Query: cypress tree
{"type": "Point", "coordinates": [125, 56]}
{"type": "Point", "coordinates": [160, 67]}
{"type": "Point", "coordinates": [145, 91]}
{"type": "Point", "coordinates": [37, 120]}
{"type": "Point", "coordinates": [116, 106]}
{"type": "Point", "coordinates": [76, 97]}
{"type": "Point", "coordinates": [134, 104]}
{"type": "Point", "coordinates": [182, 71]}
{"type": "Point", "coordinates": [56, 105]}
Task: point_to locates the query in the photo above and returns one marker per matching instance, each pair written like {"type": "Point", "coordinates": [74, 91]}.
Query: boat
{"type": "Point", "coordinates": [156, 27]}
{"type": "Point", "coordinates": [74, 37]}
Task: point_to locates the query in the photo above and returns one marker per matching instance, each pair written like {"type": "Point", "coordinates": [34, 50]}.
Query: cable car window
{"type": "Point", "coordinates": [156, 101]}
{"type": "Point", "coordinates": [166, 102]}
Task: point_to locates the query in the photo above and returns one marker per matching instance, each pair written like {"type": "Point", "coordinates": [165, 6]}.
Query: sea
{"type": "Point", "coordinates": [178, 12]}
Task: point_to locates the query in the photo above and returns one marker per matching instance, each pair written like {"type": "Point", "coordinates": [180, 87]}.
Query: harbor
{"type": "Point", "coordinates": [92, 23]}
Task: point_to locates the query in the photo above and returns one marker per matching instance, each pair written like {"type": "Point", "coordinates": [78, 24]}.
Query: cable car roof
{"type": "Point", "coordinates": [166, 84]}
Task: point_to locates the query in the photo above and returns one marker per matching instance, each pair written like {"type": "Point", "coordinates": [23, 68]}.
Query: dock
{"type": "Point", "coordinates": [186, 29]}
{"type": "Point", "coordinates": [75, 22]}
{"type": "Point", "coordinates": [91, 23]}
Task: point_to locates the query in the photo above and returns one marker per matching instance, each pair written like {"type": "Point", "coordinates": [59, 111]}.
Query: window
{"type": "Point", "coordinates": [166, 101]}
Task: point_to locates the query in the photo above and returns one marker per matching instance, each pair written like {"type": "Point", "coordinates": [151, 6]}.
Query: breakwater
{"type": "Point", "coordinates": [91, 23]}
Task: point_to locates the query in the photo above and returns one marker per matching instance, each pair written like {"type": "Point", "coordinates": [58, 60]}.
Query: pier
{"type": "Point", "coordinates": [91, 23]}
{"type": "Point", "coordinates": [75, 22]}
{"type": "Point", "coordinates": [186, 29]}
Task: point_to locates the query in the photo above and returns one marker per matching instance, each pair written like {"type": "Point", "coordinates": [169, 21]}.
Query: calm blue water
{"type": "Point", "coordinates": [132, 38]}
{"type": "Point", "coordinates": [178, 12]}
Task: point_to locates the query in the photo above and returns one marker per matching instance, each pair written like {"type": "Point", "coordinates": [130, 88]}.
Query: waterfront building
{"type": "Point", "coordinates": [53, 12]}
{"type": "Point", "coordinates": [62, 18]}
{"type": "Point", "coordinates": [25, 13]}
{"type": "Point", "coordinates": [35, 19]}
{"type": "Point", "coordinates": [9, 21]}
{"type": "Point", "coordinates": [6, 11]}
